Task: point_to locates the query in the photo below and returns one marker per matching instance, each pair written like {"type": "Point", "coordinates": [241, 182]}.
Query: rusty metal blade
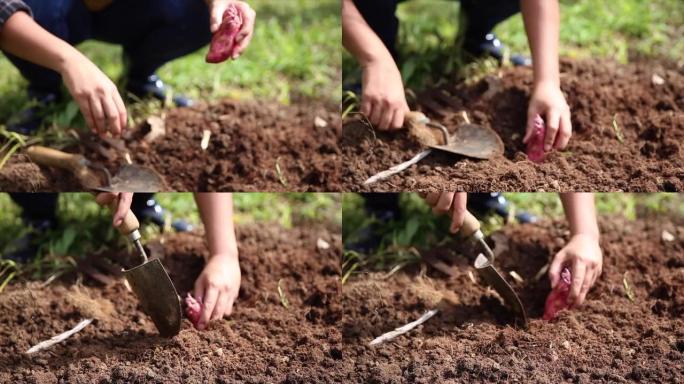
{"type": "Point", "coordinates": [473, 140]}
{"type": "Point", "coordinates": [157, 296]}
{"type": "Point", "coordinates": [487, 271]}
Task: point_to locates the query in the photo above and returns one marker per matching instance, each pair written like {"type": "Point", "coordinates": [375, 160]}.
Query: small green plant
{"type": "Point", "coordinates": [13, 141]}
{"type": "Point", "coordinates": [8, 269]}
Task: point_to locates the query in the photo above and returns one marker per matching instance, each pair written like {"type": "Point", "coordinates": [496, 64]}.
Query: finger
{"type": "Point", "coordinates": [220, 308]}
{"type": "Point", "coordinates": [124, 205]}
{"type": "Point", "coordinates": [210, 300]}
{"type": "Point", "coordinates": [105, 198]}
{"type": "Point", "coordinates": [529, 129]}
{"type": "Point", "coordinates": [98, 114]}
{"type": "Point", "coordinates": [376, 114]}
{"type": "Point", "coordinates": [112, 116]}
{"type": "Point", "coordinates": [585, 288]}
{"type": "Point", "coordinates": [366, 107]}
{"type": "Point", "coordinates": [199, 290]}
{"type": "Point", "coordinates": [556, 267]}
{"type": "Point", "coordinates": [458, 211]}
{"type": "Point", "coordinates": [578, 272]}
{"type": "Point", "coordinates": [121, 109]}
{"type": "Point", "coordinates": [398, 119]}
{"type": "Point", "coordinates": [431, 198]}
{"type": "Point", "coordinates": [552, 125]}
{"type": "Point", "coordinates": [244, 37]}
{"type": "Point", "coordinates": [84, 106]}
{"type": "Point", "coordinates": [229, 306]}
{"type": "Point", "coordinates": [386, 119]}
{"type": "Point", "coordinates": [564, 131]}
{"type": "Point", "coordinates": [444, 203]}
{"type": "Point", "coordinates": [216, 18]}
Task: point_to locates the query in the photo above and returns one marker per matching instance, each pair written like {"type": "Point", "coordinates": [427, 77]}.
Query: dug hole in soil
{"type": "Point", "coordinates": [262, 341]}
{"type": "Point", "coordinates": [644, 153]}
{"type": "Point", "coordinates": [471, 339]}
{"type": "Point", "coordinates": [253, 146]}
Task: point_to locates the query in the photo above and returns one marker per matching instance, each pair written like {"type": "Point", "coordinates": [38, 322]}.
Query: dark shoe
{"type": "Point", "coordinates": [368, 239]}
{"type": "Point", "coordinates": [153, 86]}
{"type": "Point", "coordinates": [25, 248]}
{"type": "Point", "coordinates": [484, 204]}
{"type": "Point", "coordinates": [29, 120]}
{"type": "Point", "coordinates": [153, 213]}
{"type": "Point", "coordinates": [491, 46]}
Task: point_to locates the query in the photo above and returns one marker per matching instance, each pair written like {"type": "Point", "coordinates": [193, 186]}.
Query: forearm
{"type": "Point", "coordinates": [216, 211]}
{"type": "Point", "coordinates": [542, 23]}
{"type": "Point", "coordinates": [24, 38]}
{"type": "Point", "coordinates": [580, 211]}
{"type": "Point", "coordinates": [358, 37]}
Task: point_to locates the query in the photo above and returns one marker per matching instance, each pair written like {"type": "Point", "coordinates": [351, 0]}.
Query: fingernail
{"type": "Point", "coordinates": [118, 222]}
{"type": "Point", "coordinates": [547, 147]}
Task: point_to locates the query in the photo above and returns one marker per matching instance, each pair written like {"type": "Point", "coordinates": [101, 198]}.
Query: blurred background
{"type": "Point", "coordinates": [397, 241]}
{"type": "Point", "coordinates": [622, 30]}
{"type": "Point", "coordinates": [84, 229]}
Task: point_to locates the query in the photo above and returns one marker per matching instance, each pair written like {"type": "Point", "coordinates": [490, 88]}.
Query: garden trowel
{"type": "Point", "coordinates": [485, 268]}
{"type": "Point", "coordinates": [130, 178]}
{"type": "Point", "coordinates": [150, 283]}
{"type": "Point", "coordinates": [470, 140]}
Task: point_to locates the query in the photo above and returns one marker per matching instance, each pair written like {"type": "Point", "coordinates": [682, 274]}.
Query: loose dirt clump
{"type": "Point", "coordinates": [253, 147]}
{"type": "Point", "coordinates": [610, 339]}
{"type": "Point", "coordinates": [641, 152]}
{"type": "Point", "coordinates": [261, 342]}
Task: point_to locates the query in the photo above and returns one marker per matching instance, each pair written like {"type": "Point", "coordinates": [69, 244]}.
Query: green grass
{"type": "Point", "coordinates": [295, 53]}
{"type": "Point", "coordinates": [85, 228]}
{"type": "Point", "coordinates": [420, 228]}
{"type": "Point", "coordinates": [615, 29]}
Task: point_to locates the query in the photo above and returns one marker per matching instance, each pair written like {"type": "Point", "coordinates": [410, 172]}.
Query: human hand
{"type": "Point", "coordinates": [548, 101]}
{"type": "Point", "coordinates": [452, 203]}
{"type": "Point", "coordinates": [123, 204]}
{"type": "Point", "coordinates": [248, 15]}
{"type": "Point", "coordinates": [582, 254]}
{"type": "Point", "coordinates": [217, 287]}
{"type": "Point", "coordinates": [96, 95]}
{"type": "Point", "coordinates": [383, 101]}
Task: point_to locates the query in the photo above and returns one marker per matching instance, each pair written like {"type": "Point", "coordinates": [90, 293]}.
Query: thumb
{"type": "Point", "coordinates": [199, 290]}
{"type": "Point", "coordinates": [216, 18]}
{"type": "Point", "coordinates": [529, 128]}
{"type": "Point", "coordinates": [556, 267]}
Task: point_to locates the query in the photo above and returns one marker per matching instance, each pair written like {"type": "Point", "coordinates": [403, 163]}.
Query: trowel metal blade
{"type": "Point", "coordinates": [157, 296]}
{"type": "Point", "coordinates": [475, 141]}
{"type": "Point", "coordinates": [134, 178]}
{"type": "Point", "coordinates": [501, 286]}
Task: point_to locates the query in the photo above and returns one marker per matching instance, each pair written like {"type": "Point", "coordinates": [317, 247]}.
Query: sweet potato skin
{"type": "Point", "coordinates": [535, 146]}
{"type": "Point", "coordinates": [223, 41]}
{"type": "Point", "coordinates": [558, 298]}
{"type": "Point", "coordinates": [193, 309]}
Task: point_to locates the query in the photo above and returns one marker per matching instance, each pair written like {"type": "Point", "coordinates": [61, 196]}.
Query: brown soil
{"type": "Point", "coordinates": [650, 118]}
{"type": "Point", "coordinates": [253, 147]}
{"type": "Point", "coordinates": [610, 339]}
{"type": "Point", "coordinates": [261, 342]}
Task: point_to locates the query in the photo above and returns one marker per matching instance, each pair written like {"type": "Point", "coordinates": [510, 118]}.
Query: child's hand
{"type": "Point", "coordinates": [383, 101]}
{"type": "Point", "coordinates": [244, 36]}
{"type": "Point", "coordinates": [452, 203]}
{"type": "Point", "coordinates": [548, 101]}
{"type": "Point", "coordinates": [217, 288]}
{"type": "Point", "coordinates": [122, 207]}
{"type": "Point", "coordinates": [583, 255]}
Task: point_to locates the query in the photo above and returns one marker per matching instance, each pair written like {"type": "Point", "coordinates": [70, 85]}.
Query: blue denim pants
{"type": "Point", "coordinates": [152, 33]}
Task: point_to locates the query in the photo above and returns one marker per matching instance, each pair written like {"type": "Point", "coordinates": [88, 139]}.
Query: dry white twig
{"type": "Point", "coordinates": [206, 135]}
{"type": "Point", "coordinates": [403, 329]}
{"type": "Point", "coordinates": [397, 168]}
{"type": "Point", "coordinates": [59, 338]}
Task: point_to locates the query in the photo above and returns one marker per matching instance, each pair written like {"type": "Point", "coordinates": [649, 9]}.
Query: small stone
{"type": "Point", "coordinates": [320, 123]}
{"type": "Point", "coordinates": [566, 344]}
{"type": "Point", "coordinates": [322, 244]}
{"type": "Point", "coordinates": [667, 236]}
{"type": "Point", "coordinates": [657, 80]}
{"type": "Point", "coordinates": [219, 352]}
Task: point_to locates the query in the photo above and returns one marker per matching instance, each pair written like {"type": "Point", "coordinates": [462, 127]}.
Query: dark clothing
{"type": "Point", "coordinates": [152, 33]}
{"type": "Point", "coordinates": [481, 16]}
{"type": "Point", "coordinates": [9, 8]}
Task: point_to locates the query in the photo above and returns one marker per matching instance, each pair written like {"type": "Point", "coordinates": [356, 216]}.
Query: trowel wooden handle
{"type": "Point", "coordinates": [54, 158]}
{"type": "Point", "coordinates": [470, 225]}
{"type": "Point", "coordinates": [130, 223]}
{"type": "Point", "coordinates": [414, 118]}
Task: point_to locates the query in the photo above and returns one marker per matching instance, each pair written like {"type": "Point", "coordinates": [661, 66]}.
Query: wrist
{"type": "Point", "coordinates": [592, 235]}
{"type": "Point", "coordinates": [66, 59]}
{"type": "Point", "coordinates": [546, 82]}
